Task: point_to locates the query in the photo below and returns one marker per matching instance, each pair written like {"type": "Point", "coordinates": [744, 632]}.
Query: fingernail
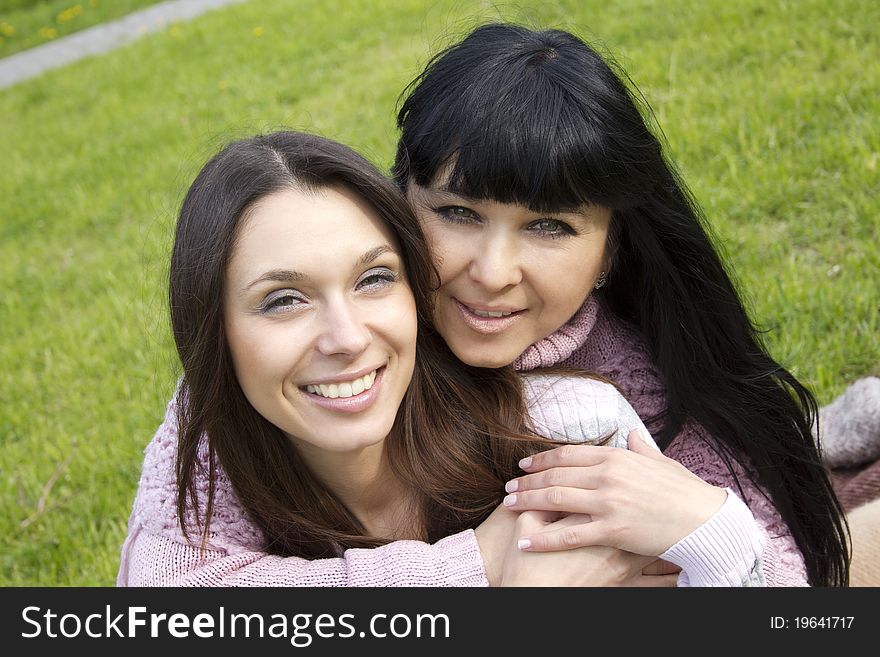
{"type": "Point", "coordinates": [526, 462]}
{"type": "Point", "coordinates": [511, 486]}
{"type": "Point", "coordinates": [523, 544]}
{"type": "Point", "coordinates": [510, 500]}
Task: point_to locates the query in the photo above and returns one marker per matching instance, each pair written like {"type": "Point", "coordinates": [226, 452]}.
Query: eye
{"type": "Point", "coordinates": [552, 228]}
{"type": "Point", "coordinates": [281, 301]}
{"type": "Point", "coordinates": [456, 214]}
{"type": "Point", "coordinates": [376, 279]}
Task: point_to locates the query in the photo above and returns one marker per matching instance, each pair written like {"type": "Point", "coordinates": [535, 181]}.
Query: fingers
{"type": "Point", "coordinates": [566, 537]}
{"type": "Point", "coordinates": [573, 477]}
{"type": "Point", "coordinates": [654, 581]}
{"type": "Point", "coordinates": [636, 443]}
{"type": "Point", "coordinates": [566, 456]}
{"type": "Point", "coordinates": [534, 520]}
{"type": "Point", "coordinates": [554, 498]}
{"type": "Point", "coordinates": [661, 567]}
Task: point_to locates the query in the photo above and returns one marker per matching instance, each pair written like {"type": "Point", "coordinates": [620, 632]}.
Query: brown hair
{"type": "Point", "coordinates": [459, 432]}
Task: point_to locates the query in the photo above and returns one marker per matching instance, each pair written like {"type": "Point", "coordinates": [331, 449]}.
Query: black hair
{"type": "Point", "coordinates": [540, 119]}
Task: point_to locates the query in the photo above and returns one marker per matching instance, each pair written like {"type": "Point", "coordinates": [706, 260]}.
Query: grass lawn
{"type": "Point", "coordinates": [28, 23]}
{"type": "Point", "coordinates": [769, 108]}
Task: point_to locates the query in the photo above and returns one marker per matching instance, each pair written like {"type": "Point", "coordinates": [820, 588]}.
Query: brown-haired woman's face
{"type": "Point", "coordinates": [320, 321]}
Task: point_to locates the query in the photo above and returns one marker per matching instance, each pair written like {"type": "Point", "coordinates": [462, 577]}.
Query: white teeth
{"type": "Point", "coordinates": [345, 389]}
{"type": "Point", "coordinates": [486, 313]}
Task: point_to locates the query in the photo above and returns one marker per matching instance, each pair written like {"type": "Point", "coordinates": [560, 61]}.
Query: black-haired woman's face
{"type": "Point", "coordinates": [509, 276]}
{"type": "Point", "coordinates": [320, 320]}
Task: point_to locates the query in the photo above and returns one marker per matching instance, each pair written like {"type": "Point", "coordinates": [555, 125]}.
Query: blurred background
{"type": "Point", "coordinates": [769, 108]}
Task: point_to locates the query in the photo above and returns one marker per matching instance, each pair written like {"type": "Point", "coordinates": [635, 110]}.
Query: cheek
{"type": "Point", "coordinates": [565, 280]}
{"type": "Point", "coordinates": [448, 248]}
{"type": "Point", "coordinates": [255, 358]}
{"type": "Point", "coordinates": [397, 321]}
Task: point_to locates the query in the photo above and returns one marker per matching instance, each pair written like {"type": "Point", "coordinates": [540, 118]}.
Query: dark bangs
{"type": "Point", "coordinates": [520, 125]}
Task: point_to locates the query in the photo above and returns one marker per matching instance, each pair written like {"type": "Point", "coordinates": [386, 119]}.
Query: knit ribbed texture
{"type": "Point", "coordinates": [561, 344]}
{"type": "Point", "coordinates": [617, 351]}
{"type": "Point", "coordinates": [713, 538]}
{"type": "Point", "coordinates": [574, 409]}
{"type": "Point", "coordinates": [159, 561]}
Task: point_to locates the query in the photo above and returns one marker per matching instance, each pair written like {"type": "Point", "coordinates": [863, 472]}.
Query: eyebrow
{"type": "Point", "coordinates": [292, 276]}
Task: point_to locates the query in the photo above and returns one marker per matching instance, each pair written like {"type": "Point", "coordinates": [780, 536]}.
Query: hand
{"type": "Point", "coordinates": [638, 500]}
{"type": "Point", "coordinates": [586, 566]}
{"type": "Point", "coordinates": [661, 567]}
{"type": "Point", "coordinates": [494, 536]}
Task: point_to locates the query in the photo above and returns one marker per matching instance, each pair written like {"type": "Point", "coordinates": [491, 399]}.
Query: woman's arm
{"type": "Point", "coordinates": [149, 559]}
{"type": "Point", "coordinates": [638, 500]}
{"type": "Point", "coordinates": [782, 562]}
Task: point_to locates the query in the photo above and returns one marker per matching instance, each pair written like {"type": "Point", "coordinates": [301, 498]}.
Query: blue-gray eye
{"type": "Point", "coordinates": [552, 228]}
{"type": "Point", "coordinates": [456, 214]}
{"type": "Point", "coordinates": [376, 278]}
{"type": "Point", "coordinates": [281, 301]}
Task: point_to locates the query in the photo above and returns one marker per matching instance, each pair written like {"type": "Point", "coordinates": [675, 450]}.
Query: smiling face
{"type": "Point", "coordinates": [509, 276]}
{"type": "Point", "coordinates": [320, 321]}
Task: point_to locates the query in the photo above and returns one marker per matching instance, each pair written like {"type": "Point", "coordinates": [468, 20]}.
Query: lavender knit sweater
{"type": "Point", "coordinates": [724, 551]}
{"type": "Point", "coordinates": [595, 340]}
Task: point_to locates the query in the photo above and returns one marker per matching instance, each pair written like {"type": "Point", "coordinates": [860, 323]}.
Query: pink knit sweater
{"type": "Point", "coordinates": [595, 340]}
{"type": "Point", "coordinates": [725, 551]}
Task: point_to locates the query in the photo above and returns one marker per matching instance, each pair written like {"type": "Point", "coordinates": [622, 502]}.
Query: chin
{"type": "Point", "coordinates": [482, 357]}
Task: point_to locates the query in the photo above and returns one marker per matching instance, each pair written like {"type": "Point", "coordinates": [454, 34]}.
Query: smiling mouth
{"type": "Point", "coordinates": [489, 314]}
{"type": "Point", "coordinates": [488, 322]}
{"type": "Point", "coordinates": [344, 388]}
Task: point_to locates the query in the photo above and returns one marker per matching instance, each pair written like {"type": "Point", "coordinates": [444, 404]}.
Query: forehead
{"type": "Point", "coordinates": [311, 227]}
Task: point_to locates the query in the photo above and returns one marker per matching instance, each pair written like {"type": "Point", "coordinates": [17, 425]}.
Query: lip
{"type": "Point", "coordinates": [353, 404]}
{"type": "Point", "coordinates": [346, 376]}
{"type": "Point", "coordinates": [487, 325]}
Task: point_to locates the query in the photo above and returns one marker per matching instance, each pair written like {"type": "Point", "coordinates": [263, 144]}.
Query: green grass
{"type": "Point", "coordinates": [769, 108]}
{"type": "Point", "coordinates": [28, 23]}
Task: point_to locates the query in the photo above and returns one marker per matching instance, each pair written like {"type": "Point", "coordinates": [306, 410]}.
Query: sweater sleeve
{"type": "Point", "coordinates": [726, 550]}
{"type": "Point", "coordinates": [580, 409]}
{"type": "Point", "coordinates": [782, 563]}
{"type": "Point", "coordinates": [154, 560]}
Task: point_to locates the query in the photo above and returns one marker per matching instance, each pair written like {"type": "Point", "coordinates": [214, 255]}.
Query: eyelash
{"type": "Point", "coordinates": [562, 229]}
{"type": "Point", "coordinates": [272, 304]}
{"type": "Point", "coordinates": [383, 275]}
{"type": "Point", "coordinates": [381, 278]}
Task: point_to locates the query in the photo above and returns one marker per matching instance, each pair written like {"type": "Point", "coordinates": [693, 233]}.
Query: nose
{"type": "Point", "coordinates": [495, 262]}
{"type": "Point", "coordinates": [344, 330]}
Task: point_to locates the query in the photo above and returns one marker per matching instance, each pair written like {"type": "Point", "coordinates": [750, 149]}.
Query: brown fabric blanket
{"type": "Point", "coordinates": [857, 486]}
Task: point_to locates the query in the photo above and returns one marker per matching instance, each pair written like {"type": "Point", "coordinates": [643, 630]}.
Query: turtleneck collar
{"type": "Point", "coordinates": [563, 342]}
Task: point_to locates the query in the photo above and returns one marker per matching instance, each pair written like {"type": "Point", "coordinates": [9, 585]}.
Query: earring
{"type": "Point", "coordinates": [603, 278]}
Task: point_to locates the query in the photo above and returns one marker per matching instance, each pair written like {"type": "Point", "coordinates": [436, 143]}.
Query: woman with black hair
{"type": "Point", "coordinates": [565, 236]}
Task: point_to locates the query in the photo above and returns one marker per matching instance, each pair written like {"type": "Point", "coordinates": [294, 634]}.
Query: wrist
{"type": "Point", "coordinates": [494, 536]}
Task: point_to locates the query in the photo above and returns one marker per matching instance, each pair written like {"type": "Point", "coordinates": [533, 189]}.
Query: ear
{"type": "Point", "coordinates": [612, 243]}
